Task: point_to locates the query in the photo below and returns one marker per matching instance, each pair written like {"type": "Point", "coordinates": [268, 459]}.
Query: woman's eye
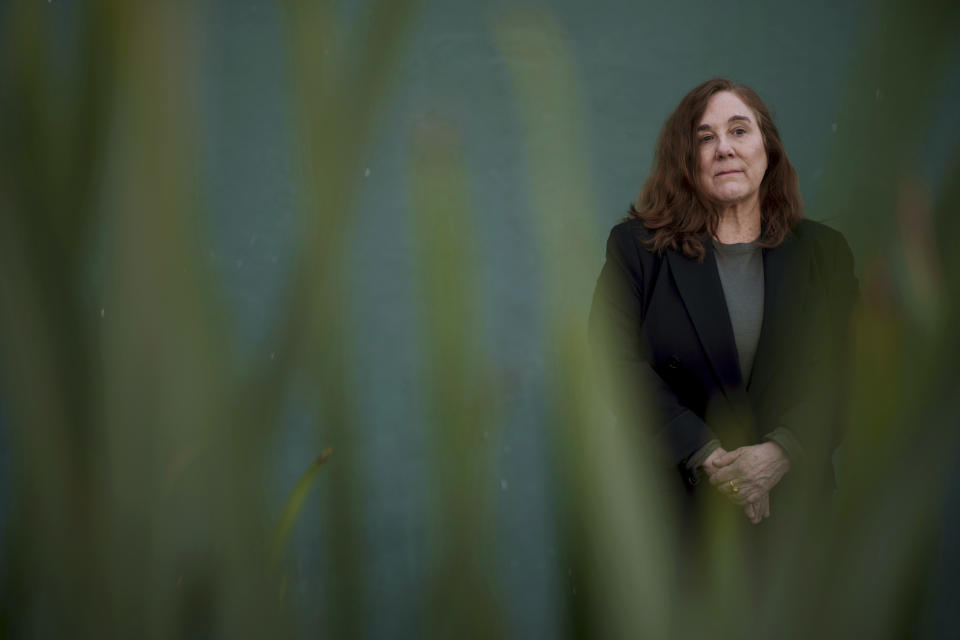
{"type": "Point", "coordinates": [706, 139]}
{"type": "Point", "coordinates": [740, 131]}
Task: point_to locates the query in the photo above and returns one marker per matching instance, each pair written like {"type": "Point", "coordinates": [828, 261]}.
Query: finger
{"type": "Point", "coordinates": [759, 509]}
{"type": "Point", "coordinates": [734, 492]}
{"type": "Point", "coordinates": [731, 495]}
{"type": "Point", "coordinates": [763, 505]}
{"type": "Point", "coordinates": [742, 491]}
{"type": "Point", "coordinates": [726, 458]}
{"type": "Point", "coordinates": [738, 498]}
{"type": "Point", "coordinates": [724, 476]}
{"type": "Point", "coordinates": [736, 486]}
{"type": "Point", "coordinates": [713, 456]}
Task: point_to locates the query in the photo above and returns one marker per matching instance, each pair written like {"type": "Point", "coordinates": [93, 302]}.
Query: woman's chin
{"type": "Point", "coordinates": [732, 196]}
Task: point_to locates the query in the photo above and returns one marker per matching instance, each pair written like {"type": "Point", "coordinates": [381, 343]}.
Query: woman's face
{"type": "Point", "coordinates": [730, 148]}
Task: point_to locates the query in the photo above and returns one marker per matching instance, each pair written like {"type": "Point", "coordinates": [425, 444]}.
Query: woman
{"type": "Point", "coordinates": [726, 310]}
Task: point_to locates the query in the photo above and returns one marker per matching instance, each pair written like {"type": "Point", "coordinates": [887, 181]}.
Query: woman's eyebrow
{"type": "Point", "coordinates": [706, 127]}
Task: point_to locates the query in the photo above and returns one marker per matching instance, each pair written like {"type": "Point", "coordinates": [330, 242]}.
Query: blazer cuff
{"type": "Point", "coordinates": [695, 462]}
{"type": "Point", "coordinates": [788, 442]}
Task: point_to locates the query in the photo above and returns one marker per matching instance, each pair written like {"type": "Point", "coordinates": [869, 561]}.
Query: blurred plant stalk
{"type": "Point", "coordinates": [108, 385]}
{"type": "Point", "coordinates": [139, 450]}
{"type": "Point", "coordinates": [462, 591]}
{"type": "Point", "coordinates": [339, 83]}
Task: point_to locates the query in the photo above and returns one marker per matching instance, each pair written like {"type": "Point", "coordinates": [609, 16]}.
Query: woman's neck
{"type": "Point", "coordinates": [739, 222]}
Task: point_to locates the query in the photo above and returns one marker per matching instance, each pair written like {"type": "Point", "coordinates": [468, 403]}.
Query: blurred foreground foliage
{"type": "Point", "coordinates": [139, 451]}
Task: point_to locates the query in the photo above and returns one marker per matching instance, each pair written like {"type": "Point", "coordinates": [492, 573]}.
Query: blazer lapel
{"type": "Point", "coordinates": [783, 291]}
{"type": "Point", "coordinates": [702, 293]}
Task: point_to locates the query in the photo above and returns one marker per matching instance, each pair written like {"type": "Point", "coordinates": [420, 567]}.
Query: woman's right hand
{"type": "Point", "coordinates": [747, 473]}
{"type": "Point", "coordinates": [757, 510]}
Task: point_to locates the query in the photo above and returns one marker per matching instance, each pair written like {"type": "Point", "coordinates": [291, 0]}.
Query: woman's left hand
{"type": "Point", "coordinates": [757, 511]}
{"type": "Point", "coordinates": [745, 474]}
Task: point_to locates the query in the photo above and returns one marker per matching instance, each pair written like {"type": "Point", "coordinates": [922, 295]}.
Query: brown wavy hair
{"type": "Point", "coordinates": [672, 205]}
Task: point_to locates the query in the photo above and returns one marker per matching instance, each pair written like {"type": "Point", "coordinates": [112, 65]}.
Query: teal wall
{"type": "Point", "coordinates": [632, 63]}
{"type": "Point", "coordinates": [864, 95]}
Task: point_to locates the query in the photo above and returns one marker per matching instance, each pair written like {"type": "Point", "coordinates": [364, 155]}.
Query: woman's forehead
{"type": "Point", "coordinates": [724, 107]}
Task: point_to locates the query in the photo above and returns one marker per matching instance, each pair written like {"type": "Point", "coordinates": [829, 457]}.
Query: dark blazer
{"type": "Point", "coordinates": [661, 330]}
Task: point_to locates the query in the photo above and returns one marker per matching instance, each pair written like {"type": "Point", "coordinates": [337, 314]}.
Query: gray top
{"type": "Point", "coordinates": [741, 274]}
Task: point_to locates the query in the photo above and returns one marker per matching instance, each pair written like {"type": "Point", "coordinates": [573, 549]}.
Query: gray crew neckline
{"type": "Point", "coordinates": [736, 248]}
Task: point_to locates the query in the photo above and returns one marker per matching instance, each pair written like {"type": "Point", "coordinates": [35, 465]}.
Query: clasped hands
{"type": "Point", "coordinates": [746, 475]}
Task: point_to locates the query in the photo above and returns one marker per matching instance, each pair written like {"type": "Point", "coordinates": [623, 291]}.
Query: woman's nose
{"type": "Point", "coordinates": [723, 148]}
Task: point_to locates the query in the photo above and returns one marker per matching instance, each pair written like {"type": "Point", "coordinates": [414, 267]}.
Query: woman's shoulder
{"type": "Point", "coordinates": [631, 232]}
{"type": "Point", "coordinates": [827, 246]}
{"type": "Point", "coordinates": [628, 252]}
{"type": "Point", "coordinates": [807, 229]}
{"type": "Point", "coordinates": [629, 243]}
{"type": "Point", "coordinates": [820, 237]}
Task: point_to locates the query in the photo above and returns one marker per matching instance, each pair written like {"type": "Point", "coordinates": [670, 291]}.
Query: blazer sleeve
{"type": "Point", "coordinates": [813, 418]}
{"type": "Point", "coordinates": [639, 396]}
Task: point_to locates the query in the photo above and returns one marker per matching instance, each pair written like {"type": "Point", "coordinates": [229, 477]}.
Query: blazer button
{"type": "Point", "coordinates": [672, 363]}
{"type": "Point", "coordinates": [692, 479]}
